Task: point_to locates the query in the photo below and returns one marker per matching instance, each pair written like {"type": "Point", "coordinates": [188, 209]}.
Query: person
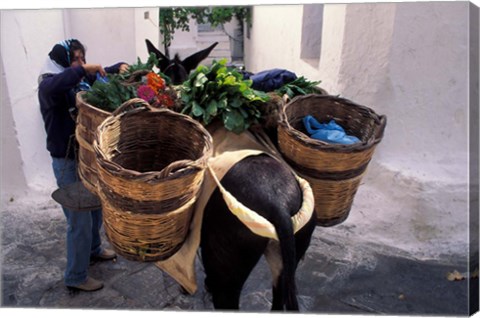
{"type": "Point", "coordinates": [64, 73]}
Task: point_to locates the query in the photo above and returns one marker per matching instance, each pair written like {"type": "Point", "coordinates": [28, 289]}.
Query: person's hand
{"type": "Point", "coordinates": [123, 68]}
{"type": "Point", "coordinates": [94, 68]}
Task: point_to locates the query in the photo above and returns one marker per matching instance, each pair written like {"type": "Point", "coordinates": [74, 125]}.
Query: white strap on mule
{"type": "Point", "coordinates": [257, 223]}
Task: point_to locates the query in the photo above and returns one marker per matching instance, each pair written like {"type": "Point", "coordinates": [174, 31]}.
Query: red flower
{"type": "Point", "coordinates": [165, 100]}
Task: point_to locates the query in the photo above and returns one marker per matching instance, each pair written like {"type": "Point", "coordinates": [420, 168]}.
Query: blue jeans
{"type": "Point", "coordinates": [83, 228]}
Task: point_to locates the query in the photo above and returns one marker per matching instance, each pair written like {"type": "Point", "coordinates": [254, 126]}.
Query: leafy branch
{"type": "Point", "coordinates": [172, 19]}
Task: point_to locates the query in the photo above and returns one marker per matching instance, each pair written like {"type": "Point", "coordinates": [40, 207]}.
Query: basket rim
{"type": "Point", "coordinates": [190, 166]}
{"type": "Point", "coordinates": [380, 122]}
{"type": "Point", "coordinates": [82, 102]}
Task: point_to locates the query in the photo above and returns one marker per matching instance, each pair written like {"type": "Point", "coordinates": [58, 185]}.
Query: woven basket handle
{"type": "Point", "coordinates": [130, 105]}
{"type": "Point", "coordinates": [178, 165]}
{"type": "Point", "coordinates": [135, 74]}
{"type": "Point", "coordinates": [380, 129]}
{"type": "Point", "coordinates": [283, 117]}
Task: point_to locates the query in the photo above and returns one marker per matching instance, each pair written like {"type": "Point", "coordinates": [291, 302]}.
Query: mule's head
{"type": "Point", "coordinates": [177, 69]}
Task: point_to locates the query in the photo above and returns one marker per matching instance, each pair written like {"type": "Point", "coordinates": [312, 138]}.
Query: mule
{"type": "Point", "coordinates": [228, 248]}
{"type": "Point", "coordinates": [177, 70]}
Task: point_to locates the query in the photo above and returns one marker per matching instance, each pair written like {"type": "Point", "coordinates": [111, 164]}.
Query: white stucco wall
{"type": "Point", "coordinates": [11, 173]}
{"type": "Point", "coordinates": [275, 38]}
{"type": "Point", "coordinates": [419, 80]}
{"type": "Point", "coordinates": [120, 33]}
{"type": "Point", "coordinates": [408, 61]}
{"type": "Point", "coordinates": [145, 29]}
{"type": "Point", "coordinates": [23, 52]}
{"type": "Point", "coordinates": [108, 25]}
{"type": "Point", "coordinates": [110, 35]}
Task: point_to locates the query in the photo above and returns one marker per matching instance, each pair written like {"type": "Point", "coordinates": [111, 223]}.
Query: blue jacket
{"type": "Point", "coordinates": [56, 94]}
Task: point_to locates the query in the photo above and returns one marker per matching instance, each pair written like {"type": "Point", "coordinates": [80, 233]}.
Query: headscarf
{"type": "Point", "coordinates": [58, 59]}
{"type": "Point", "coordinates": [61, 52]}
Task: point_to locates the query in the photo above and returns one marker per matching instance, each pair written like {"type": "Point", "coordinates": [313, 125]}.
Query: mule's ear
{"type": "Point", "coordinates": [193, 60]}
{"type": "Point", "coordinates": [163, 61]}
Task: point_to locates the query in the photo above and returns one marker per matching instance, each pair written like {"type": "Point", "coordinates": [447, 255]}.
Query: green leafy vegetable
{"type": "Point", "coordinates": [121, 87]}
{"type": "Point", "coordinates": [109, 96]}
{"type": "Point", "coordinates": [220, 92]}
{"type": "Point", "coordinates": [152, 61]}
{"type": "Point", "coordinates": [300, 86]}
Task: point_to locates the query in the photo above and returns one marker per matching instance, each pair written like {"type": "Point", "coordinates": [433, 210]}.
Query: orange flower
{"type": "Point", "coordinates": [155, 81]}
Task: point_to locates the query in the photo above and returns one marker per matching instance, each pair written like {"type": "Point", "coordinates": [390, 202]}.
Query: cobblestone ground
{"type": "Point", "coordinates": [335, 277]}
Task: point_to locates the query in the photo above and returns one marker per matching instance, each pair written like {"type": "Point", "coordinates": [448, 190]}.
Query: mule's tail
{"type": "Point", "coordinates": [283, 252]}
{"type": "Point", "coordinates": [287, 248]}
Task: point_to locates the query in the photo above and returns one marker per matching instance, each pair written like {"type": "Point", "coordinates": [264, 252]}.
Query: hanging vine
{"type": "Point", "coordinates": [172, 19]}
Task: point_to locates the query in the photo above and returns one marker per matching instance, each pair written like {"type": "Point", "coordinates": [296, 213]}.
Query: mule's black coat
{"type": "Point", "coordinates": [230, 250]}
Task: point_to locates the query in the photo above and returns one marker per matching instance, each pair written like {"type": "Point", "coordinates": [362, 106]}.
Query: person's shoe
{"type": "Point", "coordinates": [105, 255]}
{"type": "Point", "coordinates": [90, 284]}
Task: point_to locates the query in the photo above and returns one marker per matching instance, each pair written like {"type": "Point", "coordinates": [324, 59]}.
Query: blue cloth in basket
{"type": "Point", "coordinates": [331, 132]}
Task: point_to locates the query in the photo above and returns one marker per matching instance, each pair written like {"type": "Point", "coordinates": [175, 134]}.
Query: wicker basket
{"type": "Point", "coordinates": [88, 119]}
{"type": "Point", "coordinates": [334, 171]}
{"type": "Point", "coordinates": [150, 165]}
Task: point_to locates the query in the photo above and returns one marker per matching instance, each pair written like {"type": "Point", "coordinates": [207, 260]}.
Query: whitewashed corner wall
{"type": "Point", "coordinates": [410, 62]}
{"type": "Point", "coordinates": [406, 60]}
{"type": "Point", "coordinates": [110, 35]}
{"type": "Point", "coordinates": [26, 38]}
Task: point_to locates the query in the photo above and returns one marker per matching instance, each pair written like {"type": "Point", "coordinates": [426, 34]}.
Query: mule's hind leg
{"type": "Point", "coordinates": [229, 253]}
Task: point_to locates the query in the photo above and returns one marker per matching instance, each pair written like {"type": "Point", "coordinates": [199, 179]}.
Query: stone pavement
{"type": "Point", "coordinates": [337, 276]}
